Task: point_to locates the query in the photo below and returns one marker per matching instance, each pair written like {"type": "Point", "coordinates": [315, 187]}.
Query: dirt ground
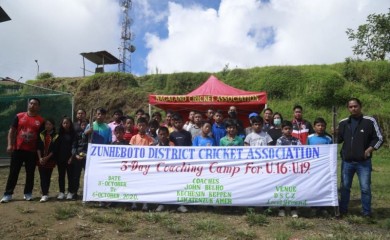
{"type": "Point", "coordinates": [74, 220]}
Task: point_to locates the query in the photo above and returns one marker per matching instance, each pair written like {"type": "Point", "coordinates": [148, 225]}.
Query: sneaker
{"type": "Point", "coordinates": [6, 198]}
{"type": "Point", "coordinates": [61, 196]}
{"type": "Point", "coordinates": [134, 206]}
{"type": "Point", "coordinates": [282, 213]}
{"type": "Point", "coordinates": [145, 207]}
{"type": "Point", "coordinates": [182, 209]}
{"type": "Point", "coordinates": [28, 197]}
{"type": "Point", "coordinates": [294, 213]}
{"type": "Point", "coordinates": [160, 208]}
{"type": "Point", "coordinates": [69, 196]}
{"type": "Point", "coordinates": [44, 198]}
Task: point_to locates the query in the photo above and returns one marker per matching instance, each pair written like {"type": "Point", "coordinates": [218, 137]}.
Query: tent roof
{"type": "Point", "coordinates": [213, 94]}
{"type": "Point", "coordinates": [214, 86]}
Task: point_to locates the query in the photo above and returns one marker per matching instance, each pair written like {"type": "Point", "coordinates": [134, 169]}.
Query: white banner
{"type": "Point", "coordinates": [236, 176]}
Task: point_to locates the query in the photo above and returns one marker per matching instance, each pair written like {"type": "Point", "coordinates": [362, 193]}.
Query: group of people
{"type": "Point", "coordinates": [34, 145]}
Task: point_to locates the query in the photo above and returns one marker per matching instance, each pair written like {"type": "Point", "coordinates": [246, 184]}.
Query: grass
{"type": "Point", "coordinates": [300, 224]}
{"type": "Point", "coordinates": [66, 212]}
{"type": "Point", "coordinates": [256, 219]}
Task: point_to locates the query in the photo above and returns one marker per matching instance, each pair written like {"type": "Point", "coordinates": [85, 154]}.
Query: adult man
{"type": "Point", "coordinates": [81, 116]}
{"type": "Point", "coordinates": [233, 115]}
{"type": "Point", "coordinates": [360, 136]}
{"type": "Point", "coordinates": [268, 119]}
{"type": "Point", "coordinates": [22, 144]}
{"type": "Point", "coordinates": [301, 128]}
{"type": "Point", "coordinates": [210, 115]}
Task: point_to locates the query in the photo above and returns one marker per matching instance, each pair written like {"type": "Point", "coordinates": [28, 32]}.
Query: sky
{"type": "Point", "coordinates": [178, 35]}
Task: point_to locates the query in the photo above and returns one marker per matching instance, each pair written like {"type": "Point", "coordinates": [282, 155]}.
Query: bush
{"type": "Point", "coordinates": [323, 89]}
{"type": "Point", "coordinates": [282, 82]}
{"type": "Point", "coordinates": [45, 75]}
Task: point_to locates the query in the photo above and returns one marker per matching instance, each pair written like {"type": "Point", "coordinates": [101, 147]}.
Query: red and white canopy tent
{"type": "Point", "coordinates": [213, 94]}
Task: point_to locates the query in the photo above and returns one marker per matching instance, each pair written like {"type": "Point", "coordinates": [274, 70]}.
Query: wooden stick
{"type": "Point", "coordinates": [91, 125]}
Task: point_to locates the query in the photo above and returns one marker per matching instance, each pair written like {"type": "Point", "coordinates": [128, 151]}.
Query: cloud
{"type": "Point", "coordinates": [55, 33]}
{"type": "Point", "coordinates": [249, 33]}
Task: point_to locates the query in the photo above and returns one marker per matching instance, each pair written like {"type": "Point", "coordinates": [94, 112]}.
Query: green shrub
{"type": "Point", "coordinates": [45, 75]}
{"type": "Point", "coordinates": [323, 89]}
{"type": "Point", "coordinates": [282, 82]}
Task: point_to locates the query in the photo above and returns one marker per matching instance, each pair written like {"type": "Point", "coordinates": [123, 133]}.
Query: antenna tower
{"type": "Point", "coordinates": [126, 48]}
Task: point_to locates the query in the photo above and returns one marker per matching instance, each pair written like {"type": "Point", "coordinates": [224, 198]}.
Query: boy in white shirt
{"type": "Point", "coordinates": [257, 137]}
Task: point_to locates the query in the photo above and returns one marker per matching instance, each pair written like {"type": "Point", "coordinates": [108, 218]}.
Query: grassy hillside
{"type": "Point", "coordinates": [316, 87]}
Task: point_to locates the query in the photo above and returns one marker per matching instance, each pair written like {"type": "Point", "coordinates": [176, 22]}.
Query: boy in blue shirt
{"type": "Point", "coordinates": [319, 136]}
{"type": "Point", "coordinates": [218, 129]}
{"type": "Point", "coordinates": [101, 132]}
{"type": "Point", "coordinates": [204, 139]}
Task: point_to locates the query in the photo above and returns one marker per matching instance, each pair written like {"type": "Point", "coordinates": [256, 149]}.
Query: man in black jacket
{"type": "Point", "coordinates": [360, 136]}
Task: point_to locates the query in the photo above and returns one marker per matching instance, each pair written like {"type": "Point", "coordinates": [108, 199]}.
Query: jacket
{"type": "Point", "coordinates": [366, 134]}
{"type": "Point", "coordinates": [52, 148]}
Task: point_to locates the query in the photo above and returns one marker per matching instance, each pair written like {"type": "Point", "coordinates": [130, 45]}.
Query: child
{"type": "Point", "coordinates": [219, 127]}
{"type": "Point", "coordinates": [204, 139]}
{"type": "Point", "coordinates": [163, 137]}
{"type": "Point", "coordinates": [168, 120]}
{"type": "Point", "coordinates": [319, 137]}
{"type": "Point", "coordinates": [157, 116]}
{"type": "Point", "coordinates": [287, 139]}
{"type": "Point", "coordinates": [250, 129]}
{"type": "Point", "coordinates": [64, 159]}
{"type": "Point", "coordinates": [130, 129]}
{"type": "Point", "coordinates": [231, 138]}
{"type": "Point", "coordinates": [152, 132]}
{"type": "Point", "coordinates": [47, 144]}
{"type": "Point", "coordinates": [119, 133]}
{"type": "Point", "coordinates": [257, 137]}
{"type": "Point", "coordinates": [99, 130]}
{"type": "Point", "coordinates": [163, 140]}
{"type": "Point", "coordinates": [196, 130]}
{"type": "Point", "coordinates": [79, 153]}
{"type": "Point", "coordinates": [180, 137]}
{"type": "Point", "coordinates": [117, 120]}
{"type": "Point", "coordinates": [141, 139]}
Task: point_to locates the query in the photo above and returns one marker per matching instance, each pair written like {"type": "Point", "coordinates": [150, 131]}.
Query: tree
{"type": "Point", "coordinates": [373, 38]}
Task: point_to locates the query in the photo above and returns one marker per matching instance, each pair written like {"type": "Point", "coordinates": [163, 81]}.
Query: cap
{"type": "Point", "coordinates": [254, 114]}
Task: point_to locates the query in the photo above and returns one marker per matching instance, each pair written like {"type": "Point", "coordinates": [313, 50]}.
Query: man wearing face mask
{"type": "Point", "coordinates": [233, 115]}
{"type": "Point", "coordinates": [276, 130]}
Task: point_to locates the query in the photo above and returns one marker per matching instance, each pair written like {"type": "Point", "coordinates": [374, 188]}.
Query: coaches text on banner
{"type": "Point", "coordinates": [237, 176]}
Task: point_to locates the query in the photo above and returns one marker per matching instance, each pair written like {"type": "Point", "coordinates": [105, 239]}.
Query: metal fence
{"type": "Point", "coordinates": [14, 98]}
